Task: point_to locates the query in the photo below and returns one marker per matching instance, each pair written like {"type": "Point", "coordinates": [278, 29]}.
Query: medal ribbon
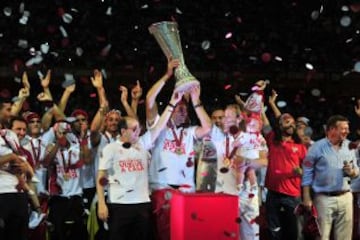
{"type": "Point", "coordinates": [36, 154]}
{"type": "Point", "coordinates": [177, 140]}
{"type": "Point", "coordinates": [227, 146]}
{"type": "Point", "coordinates": [66, 166]}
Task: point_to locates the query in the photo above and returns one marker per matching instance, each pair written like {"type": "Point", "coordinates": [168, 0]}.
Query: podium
{"type": "Point", "coordinates": [195, 216]}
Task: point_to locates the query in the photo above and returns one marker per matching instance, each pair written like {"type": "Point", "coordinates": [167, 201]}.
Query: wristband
{"type": "Point", "coordinates": [171, 105]}
{"type": "Point", "coordinates": [198, 105]}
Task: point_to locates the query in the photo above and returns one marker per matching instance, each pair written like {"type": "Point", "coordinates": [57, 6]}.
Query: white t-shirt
{"type": "Point", "coordinates": [127, 170]}
{"type": "Point", "coordinates": [87, 170]}
{"type": "Point", "coordinates": [167, 166]}
{"type": "Point", "coordinates": [251, 144]}
{"type": "Point", "coordinates": [37, 149]}
{"type": "Point", "coordinates": [105, 139]}
{"type": "Point", "coordinates": [8, 181]}
{"type": "Point", "coordinates": [70, 182]}
{"type": "Point", "coordinates": [226, 181]}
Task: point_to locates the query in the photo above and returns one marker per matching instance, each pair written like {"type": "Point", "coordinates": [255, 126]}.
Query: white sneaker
{"type": "Point", "coordinates": [35, 219]}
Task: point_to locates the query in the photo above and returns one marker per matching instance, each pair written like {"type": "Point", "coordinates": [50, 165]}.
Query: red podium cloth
{"type": "Point", "coordinates": [204, 216]}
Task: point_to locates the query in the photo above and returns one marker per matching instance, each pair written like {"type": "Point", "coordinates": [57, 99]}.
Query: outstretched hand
{"type": "Point", "coordinates": [43, 97]}
{"type": "Point", "coordinates": [171, 66]}
{"type": "Point", "coordinates": [97, 79]}
{"type": "Point", "coordinates": [273, 97]}
{"type": "Point", "coordinates": [124, 93]}
{"type": "Point", "coordinates": [176, 97]}
{"type": "Point", "coordinates": [137, 91]}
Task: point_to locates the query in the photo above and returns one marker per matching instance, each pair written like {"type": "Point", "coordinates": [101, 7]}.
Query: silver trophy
{"type": "Point", "coordinates": [167, 36]}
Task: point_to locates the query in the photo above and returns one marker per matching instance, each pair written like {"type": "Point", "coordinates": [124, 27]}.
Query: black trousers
{"type": "Point", "coordinates": [129, 221]}
{"type": "Point", "coordinates": [282, 222]}
{"type": "Point", "coordinates": [67, 216]}
{"type": "Point", "coordinates": [14, 216]}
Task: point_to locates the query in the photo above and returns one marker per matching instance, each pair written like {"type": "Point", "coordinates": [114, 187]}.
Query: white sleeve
{"type": "Point", "coordinates": [48, 137]}
{"type": "Point", "coordinates": [154, 123]}
{"type": "Point", "coordinates": [145, 140]}
{"type": "Point", "coordinates": [216, 134]}
{"type": "Point", "coordinates": [106, 157]}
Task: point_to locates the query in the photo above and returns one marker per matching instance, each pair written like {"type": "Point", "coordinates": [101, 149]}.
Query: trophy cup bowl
{"type": "Point", "coordinates": [167, 36]}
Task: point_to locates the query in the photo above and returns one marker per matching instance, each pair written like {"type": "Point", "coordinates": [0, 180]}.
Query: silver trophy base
{"type": "Point", "coordinates": [186, 86]}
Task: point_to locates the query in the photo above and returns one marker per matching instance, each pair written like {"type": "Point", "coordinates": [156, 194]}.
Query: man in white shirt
{"type": "Point", "coordinates": [124, 165]}
{"type": "Point", "coordinates": [13, 204]}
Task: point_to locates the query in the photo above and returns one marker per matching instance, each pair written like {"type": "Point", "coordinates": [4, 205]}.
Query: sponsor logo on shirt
{"type": "Point", "coordinates": [134, 165]}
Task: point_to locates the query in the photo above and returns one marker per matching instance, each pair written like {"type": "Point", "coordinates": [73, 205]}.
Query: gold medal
{"type": "Point", "coordinates": [227, 162]}
{"type": "Point", "coordinates": [178, 150]}
{"type": "Point", "coordinates": [66, 176]}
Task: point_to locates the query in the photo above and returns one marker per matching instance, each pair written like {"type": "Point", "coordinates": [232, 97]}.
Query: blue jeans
{"type": "Point", "coordinates": [282, 222]}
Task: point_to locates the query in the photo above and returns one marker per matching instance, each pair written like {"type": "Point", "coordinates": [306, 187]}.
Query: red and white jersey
{"type": "Point", "coordinates": [8, 181]}
{"type": "Point", "coordinates": [251, 144]}
{"type": "Point", "coordinates": [127, 170]}
{"type": "Point", "coordinates": [68, 171]}
{"type": "Point", "coordinates": [173, 160]}
{"type": "Point", "coordinates": [105, 139]}
{"type": "Point", "coordinates": [37, 149]}
{"type": "Point", "coordinates": [87, 170]}
{"type": "Point", "coordinates": [226, 180]}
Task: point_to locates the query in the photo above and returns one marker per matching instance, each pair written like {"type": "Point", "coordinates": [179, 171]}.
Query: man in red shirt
{"type": "Point", "coordinates": [283, 177]}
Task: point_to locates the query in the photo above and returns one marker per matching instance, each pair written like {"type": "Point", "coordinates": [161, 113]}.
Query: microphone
{"type": "Point", "coordinates": [345, 164]}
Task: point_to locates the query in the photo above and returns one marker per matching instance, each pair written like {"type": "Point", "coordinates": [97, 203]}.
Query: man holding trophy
{"type": "Point", "coordinates": [172, 165]}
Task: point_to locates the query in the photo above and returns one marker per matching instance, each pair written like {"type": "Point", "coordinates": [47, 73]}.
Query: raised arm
{"type": "Point", "coordinates": [165, 116]}
{"type": "Point", "coordinates": [240, 102]}
{"type": "Point", "coordinates": [205, 121]}
{"type": "Point", "coordinates": [55, 110]}
{"type": "Point", "coordinates": [97, 82]}
{"type": "Point", "coordinates": [48, 115]}
{"type": "Point", "coordinates": [65, 96]}
{"type": "Point", "coordinates": [23, 94]}
{"type": "Point", "coordinates": [18, 104]}
{"type": "Point", "coordinates": [45, 82]}
{"type": "Point", "coordinates": [124, 101]}
{"type": "Point", "coordinates": [151, 106]}
{"type": "Point", "coordinates": [272, 104]}
{"type": "Point", "coordinates": [99, 117]}
{"type": "Point", "coordinates": [136, 93]}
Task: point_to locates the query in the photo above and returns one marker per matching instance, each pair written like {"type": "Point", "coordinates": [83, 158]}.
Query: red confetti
{"type": "Point", "coordinates": [227, 87]}
{"type": "Point", "coordinates": [60, 11]}
{"type": "Point", "coordinates": [266, 57]}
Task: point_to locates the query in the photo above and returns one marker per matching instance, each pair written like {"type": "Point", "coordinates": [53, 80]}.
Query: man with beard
{"type": "Point", "coordinates": [283, 177]}
{"type": "Point", "coordinates": [328, 168]}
